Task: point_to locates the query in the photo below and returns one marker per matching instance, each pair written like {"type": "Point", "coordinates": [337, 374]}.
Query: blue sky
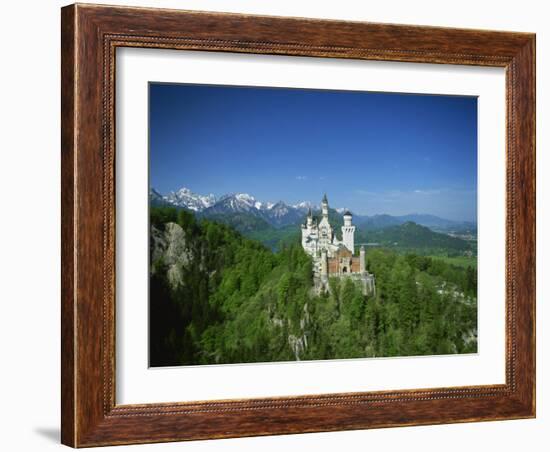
{"type": "Point", "coordinates": [372, 153]}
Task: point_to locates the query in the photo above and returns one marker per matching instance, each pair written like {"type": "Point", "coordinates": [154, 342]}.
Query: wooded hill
{"type": "Point", "coordinates": [219, 297]}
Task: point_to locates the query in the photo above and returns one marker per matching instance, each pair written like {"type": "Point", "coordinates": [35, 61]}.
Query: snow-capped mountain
{"type": "Point", "coordinates": [305, 205]}
{"type": "Point", "coordinates": [189, 200]}
{"type": "Point", "coordinates": [276, 214]}
{"type": "Point", "coordinates": [234, 203]}
{"type": "Point", "coordinates": [281, 214]}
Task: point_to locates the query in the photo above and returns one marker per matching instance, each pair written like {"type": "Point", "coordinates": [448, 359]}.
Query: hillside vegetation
{"type": "Point", "coordinates": [217, 296]}
{"type": "Point", "coordinates": [411, 235]}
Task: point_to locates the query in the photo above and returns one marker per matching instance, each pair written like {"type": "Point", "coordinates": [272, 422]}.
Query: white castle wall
{"type": "Point", "coordinates": [348, 237]}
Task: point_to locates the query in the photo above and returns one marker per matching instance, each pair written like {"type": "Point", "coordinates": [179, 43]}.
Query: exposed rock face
{"type": "Point", "coordinates": [297, 344]}
{"type": "Point", "coordinates": [172, 247]}
{"type": "Point", "coordinates": [298, 339]}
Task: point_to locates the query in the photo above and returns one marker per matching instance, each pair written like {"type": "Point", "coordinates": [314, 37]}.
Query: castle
{"type": "Point", "coordinates": [333, 257]}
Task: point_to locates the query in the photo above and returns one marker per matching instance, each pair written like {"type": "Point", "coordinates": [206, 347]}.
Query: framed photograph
{"type": "Point", "coordinates": [281, 225]}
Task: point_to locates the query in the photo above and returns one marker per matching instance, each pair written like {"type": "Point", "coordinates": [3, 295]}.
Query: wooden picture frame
{"type": "Point", "coordinates": [90, 36]}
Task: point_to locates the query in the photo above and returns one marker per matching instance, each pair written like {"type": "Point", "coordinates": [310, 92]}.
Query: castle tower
{"type": "Point", "coordinates": [324, 227]}
{"type": "Point", "coordinates": [310, 235]}
{"type": "Point", "coordinates": [324, 206]}
{"type": "Point", "coordinates": [348, 232]}
{"type": "Point", "coordinates": [362, 267]}
{"type": "Point", "coordinates": [309, 219]}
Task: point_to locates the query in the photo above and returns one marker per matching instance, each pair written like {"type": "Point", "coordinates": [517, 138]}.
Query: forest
{"type": "Point", "coordinates": [231, 299]}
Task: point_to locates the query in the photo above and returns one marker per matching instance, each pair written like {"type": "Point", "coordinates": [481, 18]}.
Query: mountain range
{"type": "Point", "coordinates": [277, 214]}
{"type": "Point", "coordinates": [243, 207]}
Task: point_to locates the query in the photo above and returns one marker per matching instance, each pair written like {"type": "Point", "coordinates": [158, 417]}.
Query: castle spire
{"type": "Point", "coordinates": [309, 220]}
{"type": "Point", "coordinates": [324, 206]}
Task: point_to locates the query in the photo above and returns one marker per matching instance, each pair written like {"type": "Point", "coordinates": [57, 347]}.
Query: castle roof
{"type": "Point", "coordinates": [325, 198]}
{"type": "Point", "coordinates": [347, 213]}
{"type": "Point", "coordinates": [342, 251]}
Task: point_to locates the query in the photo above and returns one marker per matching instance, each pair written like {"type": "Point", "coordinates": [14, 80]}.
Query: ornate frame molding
{"type": "Point", "coordinates": [90, 36]}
